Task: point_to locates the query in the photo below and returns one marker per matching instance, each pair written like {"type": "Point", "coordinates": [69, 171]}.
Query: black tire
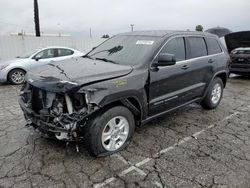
{"type": "Point", "coordinates": [12, 79]}
{"type": "Point", "coordinates": [94, 129]}
{"type": "Point", "coordinates": [207, 102]}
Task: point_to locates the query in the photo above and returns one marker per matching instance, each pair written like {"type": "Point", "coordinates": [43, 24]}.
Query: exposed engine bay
{"type": "Point", "coordinates": [54, 114]}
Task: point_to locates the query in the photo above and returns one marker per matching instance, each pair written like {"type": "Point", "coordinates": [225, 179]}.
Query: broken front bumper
{"type": "Point", "coordinates": [36, 121]}
{"type": "Point", "coordinates": [56, 115]}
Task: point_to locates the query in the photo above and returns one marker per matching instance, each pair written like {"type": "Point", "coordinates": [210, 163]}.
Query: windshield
{"type": "Point", "coordinates": [28, 54]}
{"type": "Point", "coordinates": [125, 50]}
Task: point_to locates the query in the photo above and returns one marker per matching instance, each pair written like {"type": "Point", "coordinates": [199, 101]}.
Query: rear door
{"type": "Point", "coordinates": [63, 53]}
{"type": "Point", "coordinates": [202, 65]}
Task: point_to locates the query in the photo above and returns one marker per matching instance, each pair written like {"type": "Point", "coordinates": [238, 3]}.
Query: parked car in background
{"type": "Point", "coordinates": [240, 61]}
{"type": "Point", "coordinates": [14, 70]}
{"type": "Point", "coordinates": [124, 82]}
{"type": "Point", "coordinates": [238, 45]}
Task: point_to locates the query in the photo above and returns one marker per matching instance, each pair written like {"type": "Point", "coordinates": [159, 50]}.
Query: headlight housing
{"type": "Point", "coordinates": [3, 66]}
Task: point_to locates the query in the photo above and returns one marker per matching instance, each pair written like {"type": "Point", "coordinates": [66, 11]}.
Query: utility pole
{"type": "Point", "coordinates": [132, 27]}
{"type": "Point", "coordinates": [36, 18]}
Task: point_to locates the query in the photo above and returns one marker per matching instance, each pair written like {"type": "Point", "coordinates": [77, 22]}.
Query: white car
{"type": "Point", "coordinates": [14, 70]}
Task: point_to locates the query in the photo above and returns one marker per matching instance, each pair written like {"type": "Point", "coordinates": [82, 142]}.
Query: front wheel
{"type": "Point", "coordinates": [110, 132]}
{"type": "Point", "coordinates": [16, 76]}
{"type": "Point", "coordinates": [214, 94]}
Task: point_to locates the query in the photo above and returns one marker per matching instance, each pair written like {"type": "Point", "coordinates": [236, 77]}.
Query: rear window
{"type": "Point", "coordinates": [213, 46]}
{"type": "Point", "coordinates": [64, 52]}
{"type": "Point", "coordinates": [196, 47]}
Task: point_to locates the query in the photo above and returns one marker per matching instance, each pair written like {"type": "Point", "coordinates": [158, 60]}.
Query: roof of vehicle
{"type": "Point", "coordinates": [57, 47]}
{"type": "Point", "coordinates": [164, 33]}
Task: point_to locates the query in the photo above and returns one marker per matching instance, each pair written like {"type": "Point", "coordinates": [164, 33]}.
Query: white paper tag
{"type": "Point", "coordinates": [145, 42]}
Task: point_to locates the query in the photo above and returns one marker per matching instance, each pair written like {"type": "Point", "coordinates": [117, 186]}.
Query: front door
{"type": "Point", "coordinates": [170, 85]}
{"type": "Point", "coordinates": [42, 58]}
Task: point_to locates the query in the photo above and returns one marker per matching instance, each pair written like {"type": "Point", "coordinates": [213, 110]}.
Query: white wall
{"type": "Point", "coordinates": [12, 46]}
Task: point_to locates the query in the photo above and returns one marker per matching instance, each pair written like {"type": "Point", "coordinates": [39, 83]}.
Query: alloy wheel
{"type": "Point", "coordinates": [115, 133]}
{"type": "Point", "coordinates": [216, 93]}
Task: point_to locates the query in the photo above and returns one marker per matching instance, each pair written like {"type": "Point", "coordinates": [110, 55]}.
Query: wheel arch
{"type": "Point", "coordinates": [14, 68]}
{"type": "Point", "coordinates": [133, 103]}
{"type": "Point", "coordinates": [222, 75]}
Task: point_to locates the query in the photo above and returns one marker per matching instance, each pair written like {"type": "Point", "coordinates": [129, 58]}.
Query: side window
{"type": "Point", "coordinates": [64, 52]}
{"type": "Point", "coordinates": [176, 47]}
{"type": "Point", "coordinates": [196, 47]}
{"type": "Point", "coordinates": [213, 46]}
{"type": "Point", "coordinates": [45, 54]}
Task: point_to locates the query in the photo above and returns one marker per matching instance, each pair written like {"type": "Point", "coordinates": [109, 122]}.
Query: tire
{"type": "Point", "coordinates": [214, 94]}
{"type": "Point", "coordinates": [100, 128]}
{"type": "Point", "coordinates": [16, 76]}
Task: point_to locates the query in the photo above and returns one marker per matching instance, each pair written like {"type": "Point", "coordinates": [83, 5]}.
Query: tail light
{"type": "Point", "coordinates": [229, 59]}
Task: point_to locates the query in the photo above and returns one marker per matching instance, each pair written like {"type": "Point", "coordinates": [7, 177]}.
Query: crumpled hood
{"type": "Point", "coordinates": [73, 73]}
{"type": "Point", "coordinates": [237, 39]}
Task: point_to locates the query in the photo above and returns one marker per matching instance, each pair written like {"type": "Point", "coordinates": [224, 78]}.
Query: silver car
{"type": "Point", "coordinates": [14, 70]}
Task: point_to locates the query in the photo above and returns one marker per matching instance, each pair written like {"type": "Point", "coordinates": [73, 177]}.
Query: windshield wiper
{"type": "Point", "coordinates": [106, 60]}
{"type": "Point", "coordinates": [110, 51]}
{"type": "Point", "coordinates": [87, 56]}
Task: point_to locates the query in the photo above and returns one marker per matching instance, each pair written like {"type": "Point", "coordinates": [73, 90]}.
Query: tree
{"type": "Point", "coordinates": [199, 28]}
{"type": "Point", "coordinates": [36, 18]}
{"type": "Point", "coordinates": [105, 36]}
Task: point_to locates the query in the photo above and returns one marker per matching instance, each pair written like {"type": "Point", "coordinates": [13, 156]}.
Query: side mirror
{"type": "Point", "coordinates": [165, 59]}
{"type": "Point", "coordinates": [36, 58]}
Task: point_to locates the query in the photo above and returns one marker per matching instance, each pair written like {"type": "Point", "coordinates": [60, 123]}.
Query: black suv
{"type": "Point", "coordinates": [126, 81]}
{"type": "Point", "coordinates": [240, 61]}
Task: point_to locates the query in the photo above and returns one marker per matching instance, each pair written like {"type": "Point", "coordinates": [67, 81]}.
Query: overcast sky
{"type": "Point", "coordinates": [75, 17]}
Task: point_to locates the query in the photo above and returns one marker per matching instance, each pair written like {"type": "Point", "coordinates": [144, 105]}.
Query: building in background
{"type": "Point", "coordinates": [42, 34]}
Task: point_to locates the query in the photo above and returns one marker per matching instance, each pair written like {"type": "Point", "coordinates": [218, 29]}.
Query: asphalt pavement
{"type": "Point", "coordinates": [191, 147]}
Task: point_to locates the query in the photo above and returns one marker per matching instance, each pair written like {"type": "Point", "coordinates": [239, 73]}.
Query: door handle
{"type": "Point", "coordinates": [210, 61]}
{"type": "Point", "coordinates": [185, 67]}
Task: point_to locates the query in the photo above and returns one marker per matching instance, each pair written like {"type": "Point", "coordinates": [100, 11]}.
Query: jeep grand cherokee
{"type": "Point", "coordinates": [125, 82]}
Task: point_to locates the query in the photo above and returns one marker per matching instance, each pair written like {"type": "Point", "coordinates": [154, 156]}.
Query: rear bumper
{"type": "Point", "coordinates": [239, 70]}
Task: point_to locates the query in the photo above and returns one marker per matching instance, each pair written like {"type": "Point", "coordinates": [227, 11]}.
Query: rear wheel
{"type": "Point", "coordinates": [110, 131]}
{"type": "Point", "coordinates": [214, 94]}
{"type": "Point", "coordinates": [16, 76]}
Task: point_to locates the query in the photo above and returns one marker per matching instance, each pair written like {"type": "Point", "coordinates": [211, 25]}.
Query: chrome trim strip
{"type": "Point", "coordinates": [187, 60]}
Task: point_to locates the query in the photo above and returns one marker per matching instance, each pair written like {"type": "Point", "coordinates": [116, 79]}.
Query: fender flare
{"type": "Point", "coordinates": [214, 76]}
{"type": "Point", "coordinates": [139, 97]}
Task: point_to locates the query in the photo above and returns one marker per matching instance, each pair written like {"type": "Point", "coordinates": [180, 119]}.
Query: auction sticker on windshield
{"type": "Point", "coordinates": [145, 42]}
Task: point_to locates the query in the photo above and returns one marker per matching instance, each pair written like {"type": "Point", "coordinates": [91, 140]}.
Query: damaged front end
{"type": "Point", "coordinates": [58, 115]}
